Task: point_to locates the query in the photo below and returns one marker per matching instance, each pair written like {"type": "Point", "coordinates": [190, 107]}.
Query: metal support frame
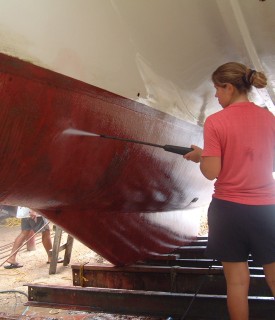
{"type": "Point", "coordinates": [155, 290]}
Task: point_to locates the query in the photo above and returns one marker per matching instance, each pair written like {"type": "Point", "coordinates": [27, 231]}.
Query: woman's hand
{"type": "Point", "coordinates": [194, 155]}
{"type": "Point", "coordinates": [210, 166]}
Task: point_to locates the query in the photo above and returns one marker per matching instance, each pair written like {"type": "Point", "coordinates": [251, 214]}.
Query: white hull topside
{"type": "Point", "coordinates": [158, 52]}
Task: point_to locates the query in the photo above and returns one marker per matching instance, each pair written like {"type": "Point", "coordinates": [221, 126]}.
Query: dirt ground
{"type": "Point", "coordinates": [36, 270]}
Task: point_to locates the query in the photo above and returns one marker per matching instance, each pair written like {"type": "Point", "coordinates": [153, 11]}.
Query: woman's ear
{"type": "Point", "coordinates": [230, 87]}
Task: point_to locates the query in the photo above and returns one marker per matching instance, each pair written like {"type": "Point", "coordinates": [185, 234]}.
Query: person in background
{"type": "Point", "coordinates": [238, 152]}
{"type": "Point", "coordinates": [31, 222]}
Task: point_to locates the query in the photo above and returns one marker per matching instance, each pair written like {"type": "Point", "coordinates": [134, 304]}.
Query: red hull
{"type": "Point", "coordinates": [117, 198]}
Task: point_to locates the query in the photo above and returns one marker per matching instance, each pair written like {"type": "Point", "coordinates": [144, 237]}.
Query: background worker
{"type": "Point", "coordinates": [238, 151]}
{"type": "Point", "coordinates": [30, 222]}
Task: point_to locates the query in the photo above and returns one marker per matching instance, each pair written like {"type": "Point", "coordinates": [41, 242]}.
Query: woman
{"type": "Point", "coordinates": [238, 151]}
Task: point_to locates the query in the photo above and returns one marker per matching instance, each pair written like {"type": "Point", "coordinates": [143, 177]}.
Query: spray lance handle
{"type": "Point", "coordinates": [177, 149]}
{"type": "Point", "coordinates": [167, 147]}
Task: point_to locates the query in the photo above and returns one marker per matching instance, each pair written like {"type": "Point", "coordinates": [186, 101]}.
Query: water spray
{"type": "Point", "coordinates": [167, 147]}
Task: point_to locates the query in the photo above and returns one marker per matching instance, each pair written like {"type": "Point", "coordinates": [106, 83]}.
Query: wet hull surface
{"type": "Point", "coordinates": [125, 201]}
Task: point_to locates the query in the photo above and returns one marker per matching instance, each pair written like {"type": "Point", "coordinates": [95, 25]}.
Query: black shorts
{"type": "Point", "coordinates": [30, 224]}
{"type": "Point", "coordinates": [237, 230]}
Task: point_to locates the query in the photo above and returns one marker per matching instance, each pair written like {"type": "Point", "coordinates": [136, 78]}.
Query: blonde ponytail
{"type": "Point", "coordinates": [238, 75]}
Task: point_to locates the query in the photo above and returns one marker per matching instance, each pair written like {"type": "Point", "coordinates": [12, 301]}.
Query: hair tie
{"type": "Point", "coordinates": [248, 77]}
{"type": "Point", "coordinates": [251, 73]}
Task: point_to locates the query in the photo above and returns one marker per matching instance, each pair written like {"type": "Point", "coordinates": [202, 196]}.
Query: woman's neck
{"type": "Point", "coordinates": [237, 97]}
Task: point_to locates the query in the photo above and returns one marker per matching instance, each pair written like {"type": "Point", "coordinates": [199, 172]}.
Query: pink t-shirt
{"type": "Point", "coordinates": [243, 135]}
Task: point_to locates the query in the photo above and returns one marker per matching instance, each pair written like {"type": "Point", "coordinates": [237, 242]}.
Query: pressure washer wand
{"type": "Point", "coordinates": [167, 147]}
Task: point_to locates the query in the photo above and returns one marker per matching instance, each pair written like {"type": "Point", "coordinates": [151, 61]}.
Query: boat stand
{"type": "Point", "coordinates": [58, 248]}
{"type": "Point", "coordinates": [159, 287]}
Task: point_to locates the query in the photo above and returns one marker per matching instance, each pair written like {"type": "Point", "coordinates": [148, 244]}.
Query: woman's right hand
{"type": "Point", "coordinates": [194, 155]}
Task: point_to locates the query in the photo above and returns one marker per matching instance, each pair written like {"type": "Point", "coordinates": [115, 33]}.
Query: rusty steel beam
{"type": "Point", "coordinates": [159, 278]}
{"type": "Point", "coordinates": [151, 278]}
{"type": "Point", "coordinates": [141, 302]}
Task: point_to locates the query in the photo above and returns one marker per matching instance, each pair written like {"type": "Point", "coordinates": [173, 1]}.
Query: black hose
{"type": "Point", "coordinates": [16, 291]}
{"type": "Point", "coordinates": [196, 293]}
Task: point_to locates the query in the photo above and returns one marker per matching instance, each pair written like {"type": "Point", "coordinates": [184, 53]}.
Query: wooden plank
{"type": "Point", "coordinates": [166, 257]}
{"type": "Point", "coordinates": [57, 248]}
{"type": "Point", "coordinates": [199, 263]}
{"type": "Point", "coordinates": [68, 250]}
{"type": "Point", "coordinates": [192, 252]}
{"type": "Point", "coordinates": [55, 251]}
{"type": "Point", "coordinates": [198, 243]}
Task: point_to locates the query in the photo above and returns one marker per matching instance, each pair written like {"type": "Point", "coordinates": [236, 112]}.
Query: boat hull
{"type": "Point", "coordinates": [125, 201]}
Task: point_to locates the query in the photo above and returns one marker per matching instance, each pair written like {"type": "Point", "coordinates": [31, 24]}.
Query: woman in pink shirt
{"type": "Point", "coordinates": [238, 152]}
